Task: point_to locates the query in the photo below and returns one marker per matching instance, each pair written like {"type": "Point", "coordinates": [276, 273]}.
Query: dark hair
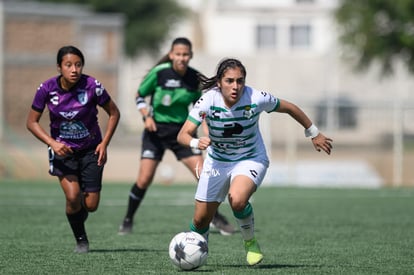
{"type": "Point", "coordinates": [224, 65]}
{"type": "Point", "coordinates": [176, 41]}
{"type": "Point", "coordinates": [66, 50]}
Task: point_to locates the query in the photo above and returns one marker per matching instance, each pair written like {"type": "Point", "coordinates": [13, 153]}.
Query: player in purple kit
{"type": "Point", "coordinates": [77, 149]}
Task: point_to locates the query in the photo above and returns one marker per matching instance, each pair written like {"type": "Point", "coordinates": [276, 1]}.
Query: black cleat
{"type": "Point", "coordinates": [82, 245]}
{"type": "Point", "coordinates": [126, 227]}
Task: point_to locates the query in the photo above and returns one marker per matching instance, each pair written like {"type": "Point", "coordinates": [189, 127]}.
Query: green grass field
{"type": "Point", "coordinates": [301, 231]}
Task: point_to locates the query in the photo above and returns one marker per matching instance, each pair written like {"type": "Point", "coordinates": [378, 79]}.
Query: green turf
{"type": "Point", "coordinates": [301, 231]}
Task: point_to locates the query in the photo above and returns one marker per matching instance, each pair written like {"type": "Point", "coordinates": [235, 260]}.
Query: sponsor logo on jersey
{"type": "Point", "coordinates": [172, 83]}
{"type": "Point", "coordinates": [99, 91]}
{"type": "Point", "coordinates": [69, 115]}
{"type": "Point", "coordinates": [54, 99]}
{"type": "Point", "coordinates": [216, 114]}
{"type": "Point", "coordinates": [73, 130]}
{"type": "Point", "coordinates": [231, 129]}
{"type": "Point", "coordinates": [99, 88]}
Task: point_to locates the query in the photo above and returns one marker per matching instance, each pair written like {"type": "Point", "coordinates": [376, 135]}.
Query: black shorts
{"type": "Point", "coordinates": [83, 164]}
{"type": "Point", "coordinates": [154, 144]}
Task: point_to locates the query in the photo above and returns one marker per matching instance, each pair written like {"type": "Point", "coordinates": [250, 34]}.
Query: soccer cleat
{"type": "Point", "coordinates": [254, 254]}
{"type": "Point", "coordinates": [82, 245]}
{"type": "Point", "coordinates": [126, 227]}
{"type": "Point", "coordinates": [220, 222]}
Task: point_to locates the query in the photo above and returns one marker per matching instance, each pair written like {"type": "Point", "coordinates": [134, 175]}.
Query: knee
{"type": "Point", "coordinates": [92, 208]}
{"type": "Point", "coordinates": [91, 201]}
{"type": "Point", "coordinates": [73, 202]}
{"type": "Point", "coordinates": [238, 207]}
{"type": "Point", "coordinates": [91, 205]}
{"type": "Point", "coordinates": [237, 204]}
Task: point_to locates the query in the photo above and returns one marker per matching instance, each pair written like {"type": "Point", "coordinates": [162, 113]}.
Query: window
{"type": "Point", "coordinates": [300, 36]}
{"type": "Point", "coordinates": [343, 109]}
{"type": "Point", "coordinates": [93, 45]}
{"type": "Point", "coordinates": [266, 36]}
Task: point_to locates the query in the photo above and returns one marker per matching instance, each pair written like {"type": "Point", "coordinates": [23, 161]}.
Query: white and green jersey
{"type": "Point", "coordinates": [234, 132]}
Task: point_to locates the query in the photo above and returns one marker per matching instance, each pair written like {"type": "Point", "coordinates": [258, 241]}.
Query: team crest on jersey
{"type": "Point", "coordinates": [202, 115]}
{"type": "Point", "coordinates": [248, 112]}
{"type": "Point", "coordinates": [82, 97]}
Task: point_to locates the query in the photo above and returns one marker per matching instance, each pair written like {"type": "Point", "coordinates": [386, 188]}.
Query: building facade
{"type": "Point", "coordinates": [290, 48]}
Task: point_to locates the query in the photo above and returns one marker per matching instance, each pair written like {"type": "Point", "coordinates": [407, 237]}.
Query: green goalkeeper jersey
{"type": "Point", "coordinates": [171, 94]}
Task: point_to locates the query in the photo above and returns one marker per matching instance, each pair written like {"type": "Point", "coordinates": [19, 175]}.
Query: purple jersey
{"type": "Point", "coordinates": [73, 114]}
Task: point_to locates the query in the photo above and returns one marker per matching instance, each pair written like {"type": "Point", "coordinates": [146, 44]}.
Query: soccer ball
{"type": "Point", "coordinates": [188, 250]}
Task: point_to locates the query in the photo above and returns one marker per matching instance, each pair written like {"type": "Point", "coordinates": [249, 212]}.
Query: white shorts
{"type": "Point", "coordinates": [216, 177]}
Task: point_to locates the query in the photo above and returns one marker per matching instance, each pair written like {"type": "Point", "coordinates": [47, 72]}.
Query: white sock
{"type": "Point", "coordinates": [247, 227]}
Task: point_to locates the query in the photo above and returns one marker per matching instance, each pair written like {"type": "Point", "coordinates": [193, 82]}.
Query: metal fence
{"type": "Point", "coordinates": [373, 144]}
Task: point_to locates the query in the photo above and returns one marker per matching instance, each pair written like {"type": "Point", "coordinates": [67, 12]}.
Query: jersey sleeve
{"type": "Point", "coordinates": [270, 102]}
{"type": "Point", "coordinates": [40, 98]}
{"type": "Point", "coordinates": [200, 109]}
{"type": "Point", "coordinates": [150, 82]}
{"type": "Point", "coordinates": [101, 93]}
{"type": "Point", "coordinates": [95, 90]}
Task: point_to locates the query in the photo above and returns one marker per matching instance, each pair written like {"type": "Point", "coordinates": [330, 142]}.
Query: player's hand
{"type": "Point", "coordinates": [102, 155]}
{"type": "Point", "coordinates": [320, 142]}
{"type": "Point", "coordinates": [61, 149]}
{"type": "Point", "coordinates": [150, 125]}
{"type": "Point", "coordinates": [203, 143]}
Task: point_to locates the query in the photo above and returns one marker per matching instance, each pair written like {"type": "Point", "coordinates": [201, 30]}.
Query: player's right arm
{"type": "Point", "coordinates": [147, 88]}
{"type": "Point", "coordinates": [185, 136]}
{"type": "Point", "coordinates": [33, 125]}
{"type": "Point", "coordinates": [146, 114]}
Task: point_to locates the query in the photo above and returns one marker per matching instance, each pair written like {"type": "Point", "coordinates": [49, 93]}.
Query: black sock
{"type": "Point", "coordinates": [135, 197]}
{"type": "Point", "coordinates": [77, 223]}
{"type": "Point", "coordinates": [84, 211]}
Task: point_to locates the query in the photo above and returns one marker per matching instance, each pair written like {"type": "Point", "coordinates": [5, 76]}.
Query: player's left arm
{"type": "Point", "coordinates": [320, 142]}
{"type": "Point", "coordinates": [114, 115]}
